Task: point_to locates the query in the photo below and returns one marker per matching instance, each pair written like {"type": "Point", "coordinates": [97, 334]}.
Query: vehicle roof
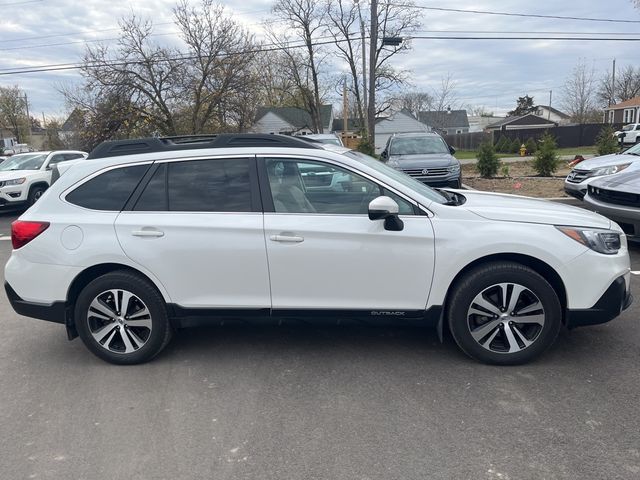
{"type": "Point", "coordinates": [416, 134]}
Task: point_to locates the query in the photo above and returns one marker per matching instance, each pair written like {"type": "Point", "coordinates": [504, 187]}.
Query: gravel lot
{"type": "Point", "coordinates": [318, 403]}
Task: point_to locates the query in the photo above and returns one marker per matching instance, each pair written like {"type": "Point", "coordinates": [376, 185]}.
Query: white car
{"type": "Point", "coordinates": [327, 138]}
{"type": "Point", "coordinates": [129, 246]}
{"type": "Point", "coordinates": [631, 133]}
{"type": "Point", "coordinates": [25, 177]}
{"type": "Point", "coordinates": [587, 171]}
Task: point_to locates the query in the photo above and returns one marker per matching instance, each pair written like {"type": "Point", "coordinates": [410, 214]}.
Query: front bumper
{"type": "Point", "coordinates": [576, 190]}
{"type": "Point", "coordinates": [614, 300]}
{"type": "Point", "coordinates": [627, 217]}
{"type": "Point", "coordinates": [55, 312]}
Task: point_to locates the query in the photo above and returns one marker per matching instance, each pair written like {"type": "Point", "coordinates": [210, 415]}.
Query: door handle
{"type": "Point", "coordinates": [147, 233]}
{"type": "Point", "coordinates": [286, 238]}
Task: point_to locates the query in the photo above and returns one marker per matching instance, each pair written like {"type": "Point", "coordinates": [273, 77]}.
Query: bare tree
{"type": "Point", "coordinates": [13, 111]}
{"type": "Point", "coordinates": [444, 95]}
{"type": "Point", "coordinates": [303, 19]}
{"type": "Point", "coordinates": [579, 94]}
{"type": "Point", "coordinates": [415, 102]}
{"type": "Point", "coordinates": [627, 86]}
{"type": "Point", "coordinates": [221, 65]}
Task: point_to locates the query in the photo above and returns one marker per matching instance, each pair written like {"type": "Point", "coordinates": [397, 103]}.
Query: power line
{"type": "Point", "coordinates": [19, 3]}
{"type": "Point", "coordinates": [587, 39]}
{"type": "Point", "coordinates": [42, 37]}
{"type": "Point", "coordinates": [75, 66]}
{"type": "Point", "coordinates": [510, 14]}
{"type": "Point", "coordinates": [520, 32]}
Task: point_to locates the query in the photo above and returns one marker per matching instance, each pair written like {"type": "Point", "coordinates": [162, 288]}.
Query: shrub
{"type": "Point", "coordinates": [546, 161]}
{"type": "Point", "coordinates": [606, 143]}
{"type": "Point", "coordinates": [515, 145]}
{"type": "Point", "coordinates": [367, 147]}
{"type": "Point", "coordinates": [505, 171]}
{"type": "Point", "coordinates": [503, 144]}
{"type": "Point", "coordinates": [488, 162]}
{"type": "Point", "coordinates": [531, 145]}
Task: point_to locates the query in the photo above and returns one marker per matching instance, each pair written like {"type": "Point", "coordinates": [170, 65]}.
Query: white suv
{"type": "Point", "coordinates": [25, 177]}
{"type": "Point", "coordinates": [156, 234]}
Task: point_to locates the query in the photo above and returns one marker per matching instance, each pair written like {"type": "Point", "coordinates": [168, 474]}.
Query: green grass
{"type": "Point", "coordinates": [468, 154]}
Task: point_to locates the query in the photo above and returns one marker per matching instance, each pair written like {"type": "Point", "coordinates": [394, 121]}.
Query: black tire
{"type": "Point", "coordinates": [157, 338]}
{"type": "Point", "coordinates": [35, 193]}
{"type": "Point", "coordinates": [483, 279]}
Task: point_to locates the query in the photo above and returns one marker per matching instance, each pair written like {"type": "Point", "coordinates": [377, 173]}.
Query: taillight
{"type": "Point", "coordinates": [23, 232]}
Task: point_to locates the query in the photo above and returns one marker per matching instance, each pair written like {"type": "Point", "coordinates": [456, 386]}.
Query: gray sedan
{"type": "Point", "coordinates": [618, 197]}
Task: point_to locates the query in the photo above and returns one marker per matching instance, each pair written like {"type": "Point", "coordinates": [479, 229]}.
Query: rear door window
{"type": "Point", "coordinates": [110, 190]}
{"type": "Point", "coordinates": [216, 185]}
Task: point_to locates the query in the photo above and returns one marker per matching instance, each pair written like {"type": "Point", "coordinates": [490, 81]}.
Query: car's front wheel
{"type": "Point", "coordinates": [504, 313]}
{"type": "Point", "coordinates": [122, 318]}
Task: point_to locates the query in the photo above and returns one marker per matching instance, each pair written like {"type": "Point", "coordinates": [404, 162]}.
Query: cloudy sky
{"type": "Point", "coordinates": [487, 72]}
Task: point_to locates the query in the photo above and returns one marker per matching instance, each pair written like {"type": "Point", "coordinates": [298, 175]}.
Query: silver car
{"type": "Point", "coordinates": [618, 198]}
{"type": "Point", "coordinates": [588, 171]}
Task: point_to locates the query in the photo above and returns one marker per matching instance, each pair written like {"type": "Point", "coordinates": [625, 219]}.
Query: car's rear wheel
{"type": "Point", "coordinates": [504, 313]}
{"type": "Point", "coordinates": [122, 318]}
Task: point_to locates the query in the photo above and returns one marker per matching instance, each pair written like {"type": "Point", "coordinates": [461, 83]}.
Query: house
{"type": "Point", "coordinates": [354, 126]}
{"type": "Point", "coordinates": [447, 122]}
{"type": "Point", "coordinates": [400, 122]}
{"type": "Point", "coordinates": [290, 120]}
{"type": "Point", "coordinates": [478, 123]}
{"type": "Point", "coordinates": [552, 114]}
{"type": "Point", "coordinates": [623, 112]}
{"type": "Point", "coordinates": [521, 122]}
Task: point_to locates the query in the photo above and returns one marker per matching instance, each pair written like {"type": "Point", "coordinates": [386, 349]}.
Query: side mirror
{"type": "Point", "coordinates": [384, 155]}
{"type": "Point", "coordinates": [452, 150]}
{"type": "Point", "coordinates": [385, 208]}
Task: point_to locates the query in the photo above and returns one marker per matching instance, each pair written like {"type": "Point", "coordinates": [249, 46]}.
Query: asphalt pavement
{"type": "Point", "coordinates": [318, 403]}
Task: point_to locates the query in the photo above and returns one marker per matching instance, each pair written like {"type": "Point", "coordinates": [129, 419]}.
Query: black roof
{"type": "Point", "coordinates": [445, 119]}
{"type": "Point", "coordinates": [115, 148]}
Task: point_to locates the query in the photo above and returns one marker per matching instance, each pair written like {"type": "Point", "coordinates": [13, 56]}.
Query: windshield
{"type": "Point", "coordinates": [400, 177]}
{"type": "Point", "coordinates": [331, 141]}
{"type": "Point", "coordinates": [633, 150]}
{"type": "Point", "coordinates": [417, 145]}
{"type": "Point", "coordinates": [627, 128]}
{"type": "Point", "coordinates": [27, 161]}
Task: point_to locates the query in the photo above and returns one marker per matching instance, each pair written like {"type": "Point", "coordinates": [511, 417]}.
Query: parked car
{"type": "Point", "coordinates": [629, 133]}
{"type": "Point", "coordinates": [250, 239]}
{"type": "Point", "coordinates": [25, 177]}
{"type": "Point", "coordinates": [618, 197]}
{"type": "Point", "coordinates": [3, 158]}
{"type": "Point", "coordinates": [587, 171]}
{"type": "Point", "coordinates": [328, 138]}
{"type": "Point", "coordinates": [425, 157]}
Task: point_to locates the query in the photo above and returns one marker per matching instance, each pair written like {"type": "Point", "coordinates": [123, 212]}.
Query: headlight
{"type": "Point", "coordinates": [596, 172]}
{"type": "Point", "coordinates": [601, 241]}
{"type": "Point", "coordinates": [15, 181]}
{"type": "Point", "coordinates": [453, 168]}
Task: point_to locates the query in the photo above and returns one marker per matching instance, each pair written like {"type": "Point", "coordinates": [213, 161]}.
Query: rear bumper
{"type": "Point", "coordinates": [616, 299]}
{"type": "Point", "coordinates": [55, 312]}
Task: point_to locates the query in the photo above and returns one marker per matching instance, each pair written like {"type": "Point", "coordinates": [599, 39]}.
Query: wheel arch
{"type": "Point", "coordinates": [39, 183]}
{"type": "Point", "coordinates": [539, 266]}
{"type": "Point", "coordinates": [87, 276]}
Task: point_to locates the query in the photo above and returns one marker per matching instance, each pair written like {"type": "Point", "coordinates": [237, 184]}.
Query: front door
{"type": "Point", "coordinates": [325, 254]}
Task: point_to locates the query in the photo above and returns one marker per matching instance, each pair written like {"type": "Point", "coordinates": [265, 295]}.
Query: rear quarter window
{"type": "Point", "coordinates": [110, 190]}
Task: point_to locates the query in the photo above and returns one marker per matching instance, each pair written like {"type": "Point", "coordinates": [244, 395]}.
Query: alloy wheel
{"type": "Point", "coordinates": [506, 318]}
{"type": "Point", "coordinates": [119, 321]}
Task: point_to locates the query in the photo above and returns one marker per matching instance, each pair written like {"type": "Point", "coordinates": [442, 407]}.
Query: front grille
{"type": "Point", "coordinates": [577, 176]}
{"type": "Point", "coordinates": [427, 172]}
{"type": "Point", "coordinates": [617, 198]}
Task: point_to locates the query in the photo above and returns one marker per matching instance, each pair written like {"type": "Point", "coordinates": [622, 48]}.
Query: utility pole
{"type": "Point", "coordinates": [612, 100]}
{"type": "Point", "coordinates": [26, 103]}
{"type": "Point", "coordinates": [345, 108]}
{"type": "Point", "coordinates": [373, 43]}
{"type": "Point", "coordinates": [550, 97]}
{"type": "Point", "coordinates": [364, 66]}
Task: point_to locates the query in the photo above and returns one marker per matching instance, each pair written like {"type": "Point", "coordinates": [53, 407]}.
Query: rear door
{"type": "Point", "coordinates": [198, 227]}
